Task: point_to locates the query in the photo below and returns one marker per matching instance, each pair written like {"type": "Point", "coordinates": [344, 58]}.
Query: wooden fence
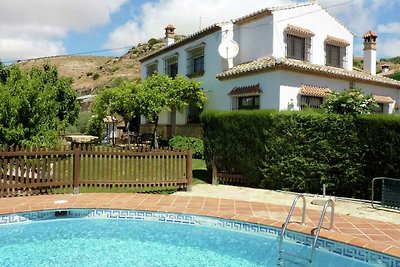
{"type": "Point", "coordinates": [28, 171]}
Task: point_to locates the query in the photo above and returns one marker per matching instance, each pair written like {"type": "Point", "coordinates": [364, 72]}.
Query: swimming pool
{"type": "Point", "coordinates": [141, 238]}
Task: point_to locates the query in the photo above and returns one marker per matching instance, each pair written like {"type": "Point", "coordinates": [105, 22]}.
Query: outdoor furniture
{"type": "Point", "coordinates": [390, 192]}
{"type": "Point", "coordinates": [146, 139]}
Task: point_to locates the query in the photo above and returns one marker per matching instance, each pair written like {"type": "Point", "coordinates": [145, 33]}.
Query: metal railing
{"type": "Point", "coordinates": [285, 225]}
{"type": "Point", "coordinates": [328, 203]}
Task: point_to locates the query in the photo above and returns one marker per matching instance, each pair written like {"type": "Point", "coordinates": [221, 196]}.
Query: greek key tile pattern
{"type": "Point", "coordinates": [334, 247]}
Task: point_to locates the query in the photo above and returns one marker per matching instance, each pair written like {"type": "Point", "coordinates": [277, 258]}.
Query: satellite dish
{"type": "Point", "coordinates": [228, 49]}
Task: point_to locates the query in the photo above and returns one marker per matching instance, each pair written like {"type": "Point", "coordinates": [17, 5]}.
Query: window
{"type": "Point", "coordinates": [335, 55]}
{"type": "Point", "coordinates": [171, 66]}
{"type": "Point", "coordinates": [151, 68]}
{"type": "Point", "coordinates": [310, 102]}
{"type": "Point", "coordinates": [195, 62]}
{"type": "Point", "coordinates": [298, 47]}
{"type": "Point", "coordinates": [379, 108]}
{"type": "Point", "coordinates": [193, 114]}
{"type": "Point", "coordinates": [249, 102]}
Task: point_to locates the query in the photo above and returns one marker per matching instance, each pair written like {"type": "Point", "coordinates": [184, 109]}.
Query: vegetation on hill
{"type": "Point", "coordinates": [394, 60]}
{"type": "Point", "coordinates": [92, 74]}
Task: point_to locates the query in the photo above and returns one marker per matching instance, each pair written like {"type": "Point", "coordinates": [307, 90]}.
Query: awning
{"type": "Point", "coordinates": [297, 31]}
{"type": "Point", "coordinates": [316, 91]}
{"type": "Point", "coordinates": [250, 90]}
{"type": "Point", "coordinates": [381, 99]}
{"type": "Point", "coordinates": [336, 41]}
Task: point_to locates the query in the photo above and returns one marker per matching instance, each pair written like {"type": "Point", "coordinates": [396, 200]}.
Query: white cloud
{"type": "Point", "coordinates": [184, 15]}
{"type": "Point", "coordinates": [37, 27]}
{"type": "Point", "coordinates": [392, 27]}
{"type": "Point", "coordinates": [389, 47]}
{"type": "Point", "coordinates": [360, 16]}
{"type": "Point", "coordinates": [28, 48]}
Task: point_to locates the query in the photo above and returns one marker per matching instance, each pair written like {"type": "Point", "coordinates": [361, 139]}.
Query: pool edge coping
{"type": "Point", "coordinates": [374, 246]}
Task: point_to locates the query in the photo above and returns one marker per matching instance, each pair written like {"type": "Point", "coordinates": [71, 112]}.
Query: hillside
{"type": "Point", "coordinates": [393, 63]}
{"type": "Point", "coordinates": [90, 73]}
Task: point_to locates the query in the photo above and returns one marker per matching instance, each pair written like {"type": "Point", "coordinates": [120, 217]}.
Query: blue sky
{"type": "Point", "coordinates": [38, 28]}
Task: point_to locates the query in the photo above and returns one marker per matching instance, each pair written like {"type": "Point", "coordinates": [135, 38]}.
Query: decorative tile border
{"type": "Point", "coordinates": [345, 250]}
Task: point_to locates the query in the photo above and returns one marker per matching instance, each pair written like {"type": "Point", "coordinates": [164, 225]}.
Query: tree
{"type": "Point", "coordinates": [350, 101]}
{"type": "Point", "coordinates": [184, 92]}
{"type": "Point", "coordinates": [153, 98]}
{"type": "Point", "coordinates": [34, 105]}
{"type": "Point", "coordinates": [121, 100]}
{"type": "Point", "coordinates": [163, 93]}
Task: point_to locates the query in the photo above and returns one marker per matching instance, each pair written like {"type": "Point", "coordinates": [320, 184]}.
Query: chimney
{"type": "Point", "coordinates": [385, 68]}
{"type": "Point", "coordinates": [169, 35]}
{"type": "Point", "coordinates": [370, 52]}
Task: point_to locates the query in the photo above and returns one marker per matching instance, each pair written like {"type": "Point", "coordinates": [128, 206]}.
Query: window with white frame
{"type": "Point", "coordinates": [171, 66]}
{"type": "Point", "coordinates": [335, 51]}
{"type": "Point", "coordinates": [151, 69]}
{"type": "Point", "coordinates": [335, 55]}
{"type": "Point", "coordinates": [249, 102]}
{"type": "Point", "coordinates": [311, 102]}
{"type": "Point", "coordinates": [379, 108]}
{"type": "Point", "coordinates": [298, 47]}
{"type": "Point", "coordinates": [195, 62]}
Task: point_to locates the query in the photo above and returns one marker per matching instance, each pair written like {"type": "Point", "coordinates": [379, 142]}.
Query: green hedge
{"type": "Point", "coordinates": [186, 142]}
{"type": "Point", "coordinates": [301, 151]}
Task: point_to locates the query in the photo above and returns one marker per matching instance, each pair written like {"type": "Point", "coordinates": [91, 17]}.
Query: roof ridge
{"type": "Point", "coordinates": [270, 9]}
{"type": "Point", "coordinates": [267, 62]}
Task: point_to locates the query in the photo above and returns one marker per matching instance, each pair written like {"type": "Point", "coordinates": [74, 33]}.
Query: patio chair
{"type": "Point", "coordinates": [390, 192]}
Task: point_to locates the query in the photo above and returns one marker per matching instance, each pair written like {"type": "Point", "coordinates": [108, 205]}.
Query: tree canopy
{"type": "Point", "coordinates": [350, 101]}
{"type": "Point", "coordinates": [122, 101]}
{"type": "Point", "coordinates": [155, 94]}
{"type": "Point", "coordinates": [34, 105]}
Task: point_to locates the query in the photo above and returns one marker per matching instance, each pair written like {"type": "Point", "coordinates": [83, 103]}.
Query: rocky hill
{"type": "Point", "coordinates": [91, 73]}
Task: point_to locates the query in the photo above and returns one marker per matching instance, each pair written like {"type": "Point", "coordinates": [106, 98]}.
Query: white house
{"type": "Point", "coordinates": [289, 57]}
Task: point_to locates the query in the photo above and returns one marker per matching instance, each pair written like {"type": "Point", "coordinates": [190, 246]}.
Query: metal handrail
{"type": "Point", "coordinates": [331, 204]}
{"type": "Point", "coordinates": [285, 225]}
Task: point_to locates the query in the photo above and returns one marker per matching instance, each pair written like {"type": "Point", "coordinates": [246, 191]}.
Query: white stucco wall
{"type": "Point", "coordinates": [291, 84]}
{"type": "Point", "coordinates": [317, 20]}
{"type": "Point", "coordinates": [255, 39]}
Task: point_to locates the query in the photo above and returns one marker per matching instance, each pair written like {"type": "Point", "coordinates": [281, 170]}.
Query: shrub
{"type": "Point", "coordinates": [185, 142]}
{"type": "Point", "coordinates": [83, 121]}
{"type": "Point", "coordinates": [95, 76]}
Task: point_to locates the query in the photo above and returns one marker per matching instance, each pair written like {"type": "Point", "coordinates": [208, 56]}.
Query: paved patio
{"type": "Point", "coordinates": [372, 234]}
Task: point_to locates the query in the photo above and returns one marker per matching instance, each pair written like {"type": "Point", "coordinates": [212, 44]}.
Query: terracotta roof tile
{"type": "Point", "coordinates": [188, 39]}
{"type": "Point", "coordinates": [310, 90]}
{"type": "Point", "coordinates": [294, 30]}
{"type": "Point", "coordinates": [269, 63]}
{"type": "Point", "coordinates": [370, 33]}
{"type": "Point", "coordinates": [246, 90]}
{"type": "Point", "coordinates": [336, 41]}
{"type": "Point", "coordinates": [383, 99]}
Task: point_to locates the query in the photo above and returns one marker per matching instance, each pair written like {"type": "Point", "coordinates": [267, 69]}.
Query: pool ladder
{"type": "Point", "coordinates": [309, 261]}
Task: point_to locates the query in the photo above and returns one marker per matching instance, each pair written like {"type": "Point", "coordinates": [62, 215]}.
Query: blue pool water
{"type": "Point", "coordinates": [102, 242]}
